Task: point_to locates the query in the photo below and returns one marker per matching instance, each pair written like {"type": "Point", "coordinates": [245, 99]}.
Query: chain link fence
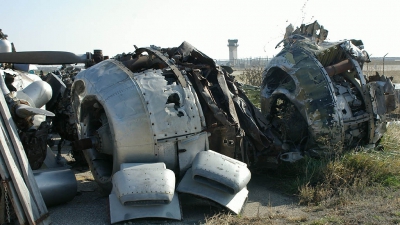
{"type": "Point", "coordinates": [244, 63]}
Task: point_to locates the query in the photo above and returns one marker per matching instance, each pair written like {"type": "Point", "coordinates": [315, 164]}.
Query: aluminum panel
{"type": "Point", "coordinates": [233, 202]}
{"type": "Point", "coordinates": [189, 148]}
{"type": "Point", "coordinates": [159, 165]}
{"type": "Point", "coordinates": [172, 108]}
{"type": "Point", "coordinates": [150, 184]}
{"type": "Point", "coordinates": [167, 153]}
{"type": "Point", "coordinates": [220, 171]}
{"type": "Point", "coordinates": [112, 85]}
{"type": "Point", "coordinates": [57, 185]}
{"type": "Point", "coordinates": [119, 212]}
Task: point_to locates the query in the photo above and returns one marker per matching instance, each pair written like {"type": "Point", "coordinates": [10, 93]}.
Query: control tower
{"type": "Point", "coordinates": [232, 44]}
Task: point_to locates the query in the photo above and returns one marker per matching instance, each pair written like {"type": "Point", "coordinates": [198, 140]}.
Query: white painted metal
{"type": "Point", "coordinates": [220, 171]}
{"type": "Point", "coordinates": [233, 202]}
{"type": "Point", "coordinates": [37, 93]}
{"type": "Point", "coordinates": [5, 46]}
{"type": "Point", "coordinates": [142, 190]}
{"type": "Point", "coordinates": [189, 148]}
{"type": "Point", "coordinates": [120, 212]}
{"type": "Point", "coordinates": [142, 185]}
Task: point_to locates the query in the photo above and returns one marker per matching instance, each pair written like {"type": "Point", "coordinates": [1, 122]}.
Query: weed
{"type": "Point", "coordinates": [230, 219]}
{"type": "Point", "coordinates": [362, 184]}
{"type": "Point", "coordinates": [253, 93]}
{"type": "Point", "coordinates": [396, 213]}
{"type": "Point", "coordinates": [252, 76]}
{"type": "Point", "coordinates": [335, 180]}
{"type": "Point", "coordinates": [353, 172]}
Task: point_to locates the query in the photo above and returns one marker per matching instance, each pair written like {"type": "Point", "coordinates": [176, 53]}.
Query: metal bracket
{"type": "Point", "coordinates": [169, 62]}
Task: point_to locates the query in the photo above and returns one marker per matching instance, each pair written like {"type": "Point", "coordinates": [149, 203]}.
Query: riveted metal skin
{"type": "Point", "coordinates": [142, 190]}
{"type": "Point", "coordinates": [219, 178]}
{"type": "Point", "coordinates": [233, 202]}
{"type": "Point", "coordinates": [315, 94]}
{"type": "Point", "coordinates": [220, 172]}
{"type": "Point", "coordinates": [146, 114]}
{"type": "Point", "coordinates": [309, 89]}
{"type": "Point", "coordinates": [121, 212]}
{"type": "Point", "coordinates": [173, 108]}
{"type": "Point", "coordinates": [144, 185]}
{"type": "Point", "coordinates": [188, 149]}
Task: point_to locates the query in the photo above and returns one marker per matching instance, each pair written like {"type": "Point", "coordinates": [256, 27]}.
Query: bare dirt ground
{"type": "Point", "coordinates": [267, 203]}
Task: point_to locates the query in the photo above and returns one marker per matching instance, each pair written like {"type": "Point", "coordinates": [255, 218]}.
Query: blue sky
{"type": "Point", "coordinates": [115, 26]}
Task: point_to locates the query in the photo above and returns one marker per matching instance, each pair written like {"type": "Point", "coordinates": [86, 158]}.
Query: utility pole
{"type": "Point", "coordinates": [383, 72]}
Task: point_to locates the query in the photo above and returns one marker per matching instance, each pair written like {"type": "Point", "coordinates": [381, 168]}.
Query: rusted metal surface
{"type": "Point", "coordinates": [35, 145]}
{"type": "Point", "coordinates": [315, 94]}
{"type": "Point", "coordinates": [171, 105]}
{"type": "Point", "coordinates": [339, 68]}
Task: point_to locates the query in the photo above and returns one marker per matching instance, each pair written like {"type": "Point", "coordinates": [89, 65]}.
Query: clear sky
{"type": "Point", "coordinates": [81, 26]}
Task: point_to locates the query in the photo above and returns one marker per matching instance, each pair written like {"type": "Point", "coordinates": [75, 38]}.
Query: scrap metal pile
{"type": "Point", "coordinates": [315, 95]}
{"type": "Point", "coordinates": [174, 106]}
{"type": "Point", "coordinates": [162, 121]}
{"type": "Point", "coordinates": [182, 92]}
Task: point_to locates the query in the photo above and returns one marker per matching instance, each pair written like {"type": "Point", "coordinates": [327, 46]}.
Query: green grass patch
{"type": "Point", "coordinates": [345, 175]}
{"type": "Point", "coordinates": [253, 93]}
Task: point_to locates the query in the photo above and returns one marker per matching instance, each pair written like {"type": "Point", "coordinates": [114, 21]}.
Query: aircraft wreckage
{"type": "Point", "coordinates": [162, 121]}
{"type": "Point", "coordinates": [315, 95]}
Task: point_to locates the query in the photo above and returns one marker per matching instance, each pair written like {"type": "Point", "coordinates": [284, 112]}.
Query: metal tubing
{"type": "Point", "coordinates": [84, 143]}
{"type": "Point", "coordinates": [57, 185]}
{"type": "Point", "coordinates": [383, 64]}
{"type": "Point", "coordinates": [339, 68]}
{"type": "Point", "coordinates": [37, 93]}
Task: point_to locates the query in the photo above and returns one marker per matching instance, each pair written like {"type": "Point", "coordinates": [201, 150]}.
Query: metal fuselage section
{"type": "Point", "coordinates": [141, 123]}
{"type": "Point", "coordinates": [140, 117]}
{"type": "Point", "coordinates": [320, 92]}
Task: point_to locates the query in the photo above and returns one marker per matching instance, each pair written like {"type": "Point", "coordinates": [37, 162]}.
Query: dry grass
{"type": "Point", "coordinates": [252, 79]}
{"type": "Point", "coordinates": [251, 76]}
{"type": "Point", "coordinates": [355, 172]}
{"type": "Point", "coordinates": [222, 219]}
{"type": "Point", "coordinates": [358, 187]}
